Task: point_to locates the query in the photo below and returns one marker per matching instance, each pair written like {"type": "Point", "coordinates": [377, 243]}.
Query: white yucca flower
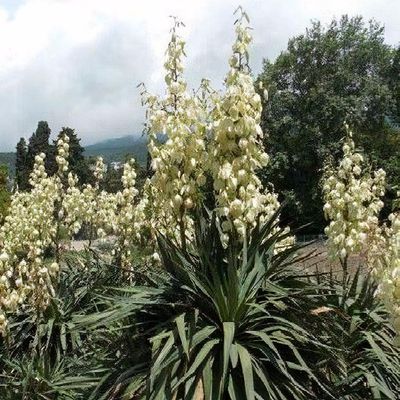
{"type": "Point", "coordinates": [353, 200]}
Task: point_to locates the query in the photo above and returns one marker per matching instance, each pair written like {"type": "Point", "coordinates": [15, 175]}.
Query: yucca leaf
{"type": "Point", "coordinates": [247, 370]}
{"type": "Point", "coordinates": [229, 334]}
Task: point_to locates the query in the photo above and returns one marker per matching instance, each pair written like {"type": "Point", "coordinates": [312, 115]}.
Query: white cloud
{"type": "Point", "coordinates": [77, 62]}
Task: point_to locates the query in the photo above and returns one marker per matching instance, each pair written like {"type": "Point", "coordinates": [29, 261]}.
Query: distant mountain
{"type": "Point", "coordinates": [118, 149]}
{"type": "Point", "coordinates": [9, 160]}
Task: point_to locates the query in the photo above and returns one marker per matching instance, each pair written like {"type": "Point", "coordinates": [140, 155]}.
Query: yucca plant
{"type": "Point", "coordinates": [215, 322]}
{"type": "Point", "coordinates": [51, 329]}
{"type": "Point", "coordinates": [45, 356]}
{"type": "Point", "coordinates": [45, 378]}
{"type": "Point", "coordinates": [367, 363]}
{"type": "Point", "coordinates": [223, 322]}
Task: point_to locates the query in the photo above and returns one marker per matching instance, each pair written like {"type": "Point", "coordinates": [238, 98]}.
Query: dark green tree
{"type": "Point", "coordinates": [394, 81]}
{"type": "Point", "coordinates": [5, 196]}
{"type": "Point", "coordinates": [325, 77]}
{"type": "Point", "coordinates": [21, 166]}
{"type": "Point", "coordinates": [39, 143]}
{"type": "Point", "coordinates": [112, 179]}
{"type": "Point", "coordinates": [384, 149]}
{"type": "Point", "coordinates": [77, 162]}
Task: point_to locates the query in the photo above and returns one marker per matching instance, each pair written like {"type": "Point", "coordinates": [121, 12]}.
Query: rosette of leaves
{"type": "Point", "coordinates": [367, 362]}
{"type": "Point", "coordinates": [221, 322]}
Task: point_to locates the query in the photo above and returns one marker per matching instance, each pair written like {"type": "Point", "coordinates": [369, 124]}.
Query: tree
{"type": "Point", "coordinates": [39, 143]}
{"type": "Point", "coordinates": [21, 167]}
{"type": "Point", "coordinates": [5, 196]}
{"type": "Point", "coordinates": [77, 163]}
{"type": "Point", "coordinates": [394, 81]}
{"type": "Point", "coordinates": [112, 179]}
{"type": "Point", "coordinates": [326, 77]}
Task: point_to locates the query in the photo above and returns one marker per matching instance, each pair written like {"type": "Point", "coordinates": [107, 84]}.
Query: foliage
{"type": "Point", "coordinates": [112, 179]}
{"type": "Point", "coordinates": [366, 364]}
{"type": "Point", "coordinates": [5, 196]}
{"type": "Point", "coordinates": [216, 319]}
{"type": "Point", "coordinates": [230, 319]}
{"type": "Point", "coordinates": [46, 357]}
{"type": "Point", "coordinates": [243, 322]}
{"type": "Point", "coordinates": [381, 152]}
{"type": "Point", "coordinates": [21, 165]}
{"type": "Point", "coordinates": [394, 82]}
{"type": "Point", "coordinates": [8, 159]}
{"type": "Point", "coordinates": [39, 144]}
{"type": "Point", "coordinates": [76, 160]}
{"type": "Point", "coordinates": [325, 77]}
{"type": "Point", "coordinates": [233, 332]}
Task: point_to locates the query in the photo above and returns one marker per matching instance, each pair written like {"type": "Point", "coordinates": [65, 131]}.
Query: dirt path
{"type": "Point", "coordinates": [79, 245]}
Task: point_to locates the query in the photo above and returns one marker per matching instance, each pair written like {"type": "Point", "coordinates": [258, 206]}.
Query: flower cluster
{"type": "Point", "coordinates": [56, 205]}
{"type": "Point", "coordinates": [100, 206]}
{"type": "Point", "coordinates": [385, 263]}
{"type": "Point", "coordinates": [388, 271]}
{"type": "Point", "coordinates": [237, 146]}
{"type": "Point", "coordinates": [178, 161]}
{"type": "Point", "coordinates": [74, 206]}
{"type": "Point", "coordinates": [352, 202]}
{"type": "Point", "coordinates": [31, 227]}
{"type": "Point", "coordinates": [207, 134]}
{"type": "Point", "coordinates": [129, 218]}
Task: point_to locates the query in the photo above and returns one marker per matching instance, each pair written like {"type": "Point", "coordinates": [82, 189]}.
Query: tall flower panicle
{"type": "Point", "coordinates": [178, 158]}
{"type": "Point", "coordinates": [353, 201]}
{"type": "Point", "coordinates": [99, 212]}
{"type": "Point", "coordinates": [29, 229]}
{"type": "Point", "coordinates": [237, 150]}
{"type": "Point", "coordinates": [388, 271]}
{"type": "Point", "coordinates": [74, 206]}
{"type": "Point", "coordinates": [128, 221]}
{"type": "Point", "coordinates": [98, 171]}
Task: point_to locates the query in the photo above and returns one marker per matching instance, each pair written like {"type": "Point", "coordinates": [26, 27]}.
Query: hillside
{"type": "Point", "coordinates": [117, 149]}
{"type": "Point", "coordinates": [9, 160]}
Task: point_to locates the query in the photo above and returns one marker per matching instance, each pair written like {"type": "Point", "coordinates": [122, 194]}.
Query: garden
{"type": "Point", "coordinates": [198, 287]}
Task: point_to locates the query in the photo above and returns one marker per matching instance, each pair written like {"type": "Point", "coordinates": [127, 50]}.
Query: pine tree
{"type": "Point", "coordinates": [4, 193]}
{"type": "Point", "coordinates": [21, 167]}
{"type": "Point", "coordinates": [39, 143]}
{"type": "Point", "coordinates": [76, 159]}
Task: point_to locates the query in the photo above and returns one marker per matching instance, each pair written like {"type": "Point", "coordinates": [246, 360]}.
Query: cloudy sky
{"type": "Point", "coordinates": [77, 62]}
